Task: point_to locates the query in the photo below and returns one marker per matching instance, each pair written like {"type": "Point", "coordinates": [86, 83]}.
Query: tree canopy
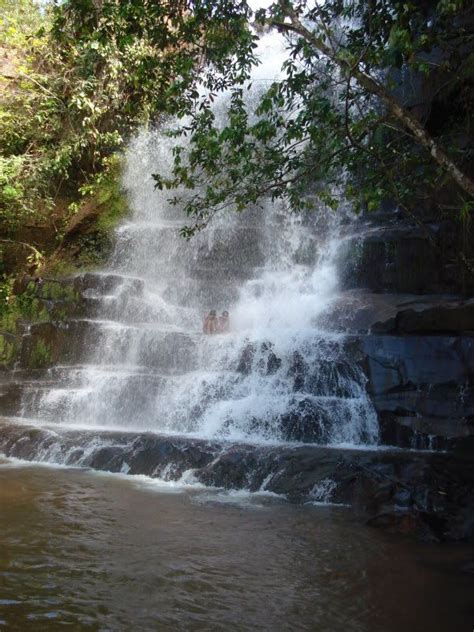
{"type": "Point", "coordinates": [342, 116]}
{"type": "Point", "coordinates": [341, 112]}
{"type": "Point", "coordinates": [81, 76]}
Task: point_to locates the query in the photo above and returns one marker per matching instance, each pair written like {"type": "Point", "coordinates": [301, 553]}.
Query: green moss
{"type": "Point", "coordinates": [41, 355]}
{"type": "Point", "coordinates": [61, 314]}
{"type": "Point", "coordinates": [36, 304]}
{"type": "Point", "coordinates": [8, 321]}
{"type": "Point", "coordinates": [8, 349]}
{"type": "Point", "coordinates": [57, 291]}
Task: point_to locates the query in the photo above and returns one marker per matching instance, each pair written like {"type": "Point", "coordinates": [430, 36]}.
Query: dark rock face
{"type": "Point", "coordinates": [429, 495]}
{"type": "Point", "coordinates": [451, 317]}
{"type": "Point", "coordinates": [391, 254]}
{"type": "Point", "coordinates": [398, 361]}
{"type": "Point", "coordinates": [422, 389]}
{"type": "Point", "coordinates": [417, 347]}
{"type": "Point", "coordinates": [401, 314]}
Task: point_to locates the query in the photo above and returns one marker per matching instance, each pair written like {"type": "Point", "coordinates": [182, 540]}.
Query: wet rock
{"type": "Point", "coordinates": [9, 345]}
{"type": "Point", "coordinates": [151, 455]}
{"type": "Point", "coordinates": [395, 361]}
{"type": "Point", "coordinates": [173, 352]}
{"type": "Point", "coordinates": [49, 343]}
{"type": "Point", "coordinates": [333, 378]}
{"type": "Point", "coordinates": [421, 387]}
{"type": "Point", "coordinates": [298, 369]}
{"type": "Point", "coordinates": [361, 311]}
{"type": "Point", "coordinates": [273, 363]}
{"type": "Point", "coordinates": [231, 469]}
{"type": "Point", "coordinates": [268, 362]}
{"type": "Point", "coordinates": [42, 345]}
{"type": "Point", "coordinates": [402, 257]}
{"type": "Point", "coordinates": [10, 398]}
{"type": "Point", "coordinates": [107, 284]}
{"type": "Point", "coordinates": [455, 317]}
{"type": "Point", "coordinates": [246, 359]}
{"type": "Point", "coordinates": [262, 357]}
{"type": "Point", "coordinates": [426, 495]}
{"type": "Point", "coordinates": [108, 458]}
{"type": "Point", "coordinates": [307, 422]}
{"type": "Point", "coordinates": [399, 258]}
{"type": "Point", "coordinates": [229, 255]}
{"type": "Point", "coordinates": [425, 433]}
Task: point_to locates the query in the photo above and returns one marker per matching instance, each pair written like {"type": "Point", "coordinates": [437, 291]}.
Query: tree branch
{"type": "Point", "coordinates": [376, 88]}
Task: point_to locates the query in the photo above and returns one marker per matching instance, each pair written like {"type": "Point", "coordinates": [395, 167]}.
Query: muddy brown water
{"type": "Point", "coordinates": [87, 551]}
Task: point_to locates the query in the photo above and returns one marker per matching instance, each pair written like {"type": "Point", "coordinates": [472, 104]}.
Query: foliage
{"type": "Point", "coordinates": [34, 303]}
{"type": "Point", "coordinates": [8, 349]}
{"type": "Point", "coordinates": [335, 111]}
{"type": "Point", "coordinates": [27, 111]}
{"type": "Point", "coordinates": [94, 244]}
{"type": "Point", "coordinates": [86, 74]}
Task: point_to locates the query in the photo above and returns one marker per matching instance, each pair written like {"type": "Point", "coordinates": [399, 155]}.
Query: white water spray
{"type": "Point", "coordinates": [277, 376]}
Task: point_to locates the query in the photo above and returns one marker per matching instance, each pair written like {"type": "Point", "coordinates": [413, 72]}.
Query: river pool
{"type": "Point", "coordinates": [90, 551]}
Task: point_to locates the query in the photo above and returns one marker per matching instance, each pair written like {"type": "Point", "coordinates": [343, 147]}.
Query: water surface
{"type": "Point", "coordinates": [105, 552]}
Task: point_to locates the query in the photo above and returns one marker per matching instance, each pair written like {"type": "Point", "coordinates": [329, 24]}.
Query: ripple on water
{"type": "Point", "coordinates": [136, 558]}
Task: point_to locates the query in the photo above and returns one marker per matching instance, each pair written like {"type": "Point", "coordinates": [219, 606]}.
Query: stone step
{"type": "Point", "coordinates": [427, 433]}
{"type": "Point", "coordinates": [399, 314]}
{"type": "Point", "coordinates": [100, 283]}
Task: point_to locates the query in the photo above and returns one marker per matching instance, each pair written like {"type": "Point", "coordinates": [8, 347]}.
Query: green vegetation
{"type": "Point", "coordinates": [80, 76]}
{"type": "Point", "coordinates": [77, 78]}
{"type": "Point", "coordinates": [40, 356]}
{"type": "Point", "coordinates": [89, 238]}
{"type": "Point", "coordinates": [34, 303]}
{"type": "Point", "coordinates": [342, 107]}
{"type": "Point", "coordinates": [8, 349]}
{"type": "Point", "coordinates": [31, 116]}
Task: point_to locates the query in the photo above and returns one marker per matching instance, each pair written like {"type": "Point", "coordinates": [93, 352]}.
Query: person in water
{"type": "Point", "coordinates": [224, 323]}
{"type": "Point", "coordinates": [211, 323]}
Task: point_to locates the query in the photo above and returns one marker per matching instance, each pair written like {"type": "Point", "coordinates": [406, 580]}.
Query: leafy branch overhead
{"type": "Point", "coordinates": [341, 106]}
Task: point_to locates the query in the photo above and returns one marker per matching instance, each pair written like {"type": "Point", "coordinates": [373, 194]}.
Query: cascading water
{"type": "Point", "coordinates": [277, 376]}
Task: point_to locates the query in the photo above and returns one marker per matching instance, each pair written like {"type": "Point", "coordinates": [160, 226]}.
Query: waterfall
{"type": "Point", "coordinates": [278, 376]}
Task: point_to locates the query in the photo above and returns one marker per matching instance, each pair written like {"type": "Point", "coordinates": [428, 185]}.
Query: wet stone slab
{"type": "Point", "coordinates": [426, 494]}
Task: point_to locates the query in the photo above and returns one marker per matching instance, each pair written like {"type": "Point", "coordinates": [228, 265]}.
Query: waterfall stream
{"type": "Point", "coordinates": [278, 375]}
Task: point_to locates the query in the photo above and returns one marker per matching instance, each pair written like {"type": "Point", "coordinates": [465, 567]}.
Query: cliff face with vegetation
{"type": "Point", "coordinates": [60, 193]}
